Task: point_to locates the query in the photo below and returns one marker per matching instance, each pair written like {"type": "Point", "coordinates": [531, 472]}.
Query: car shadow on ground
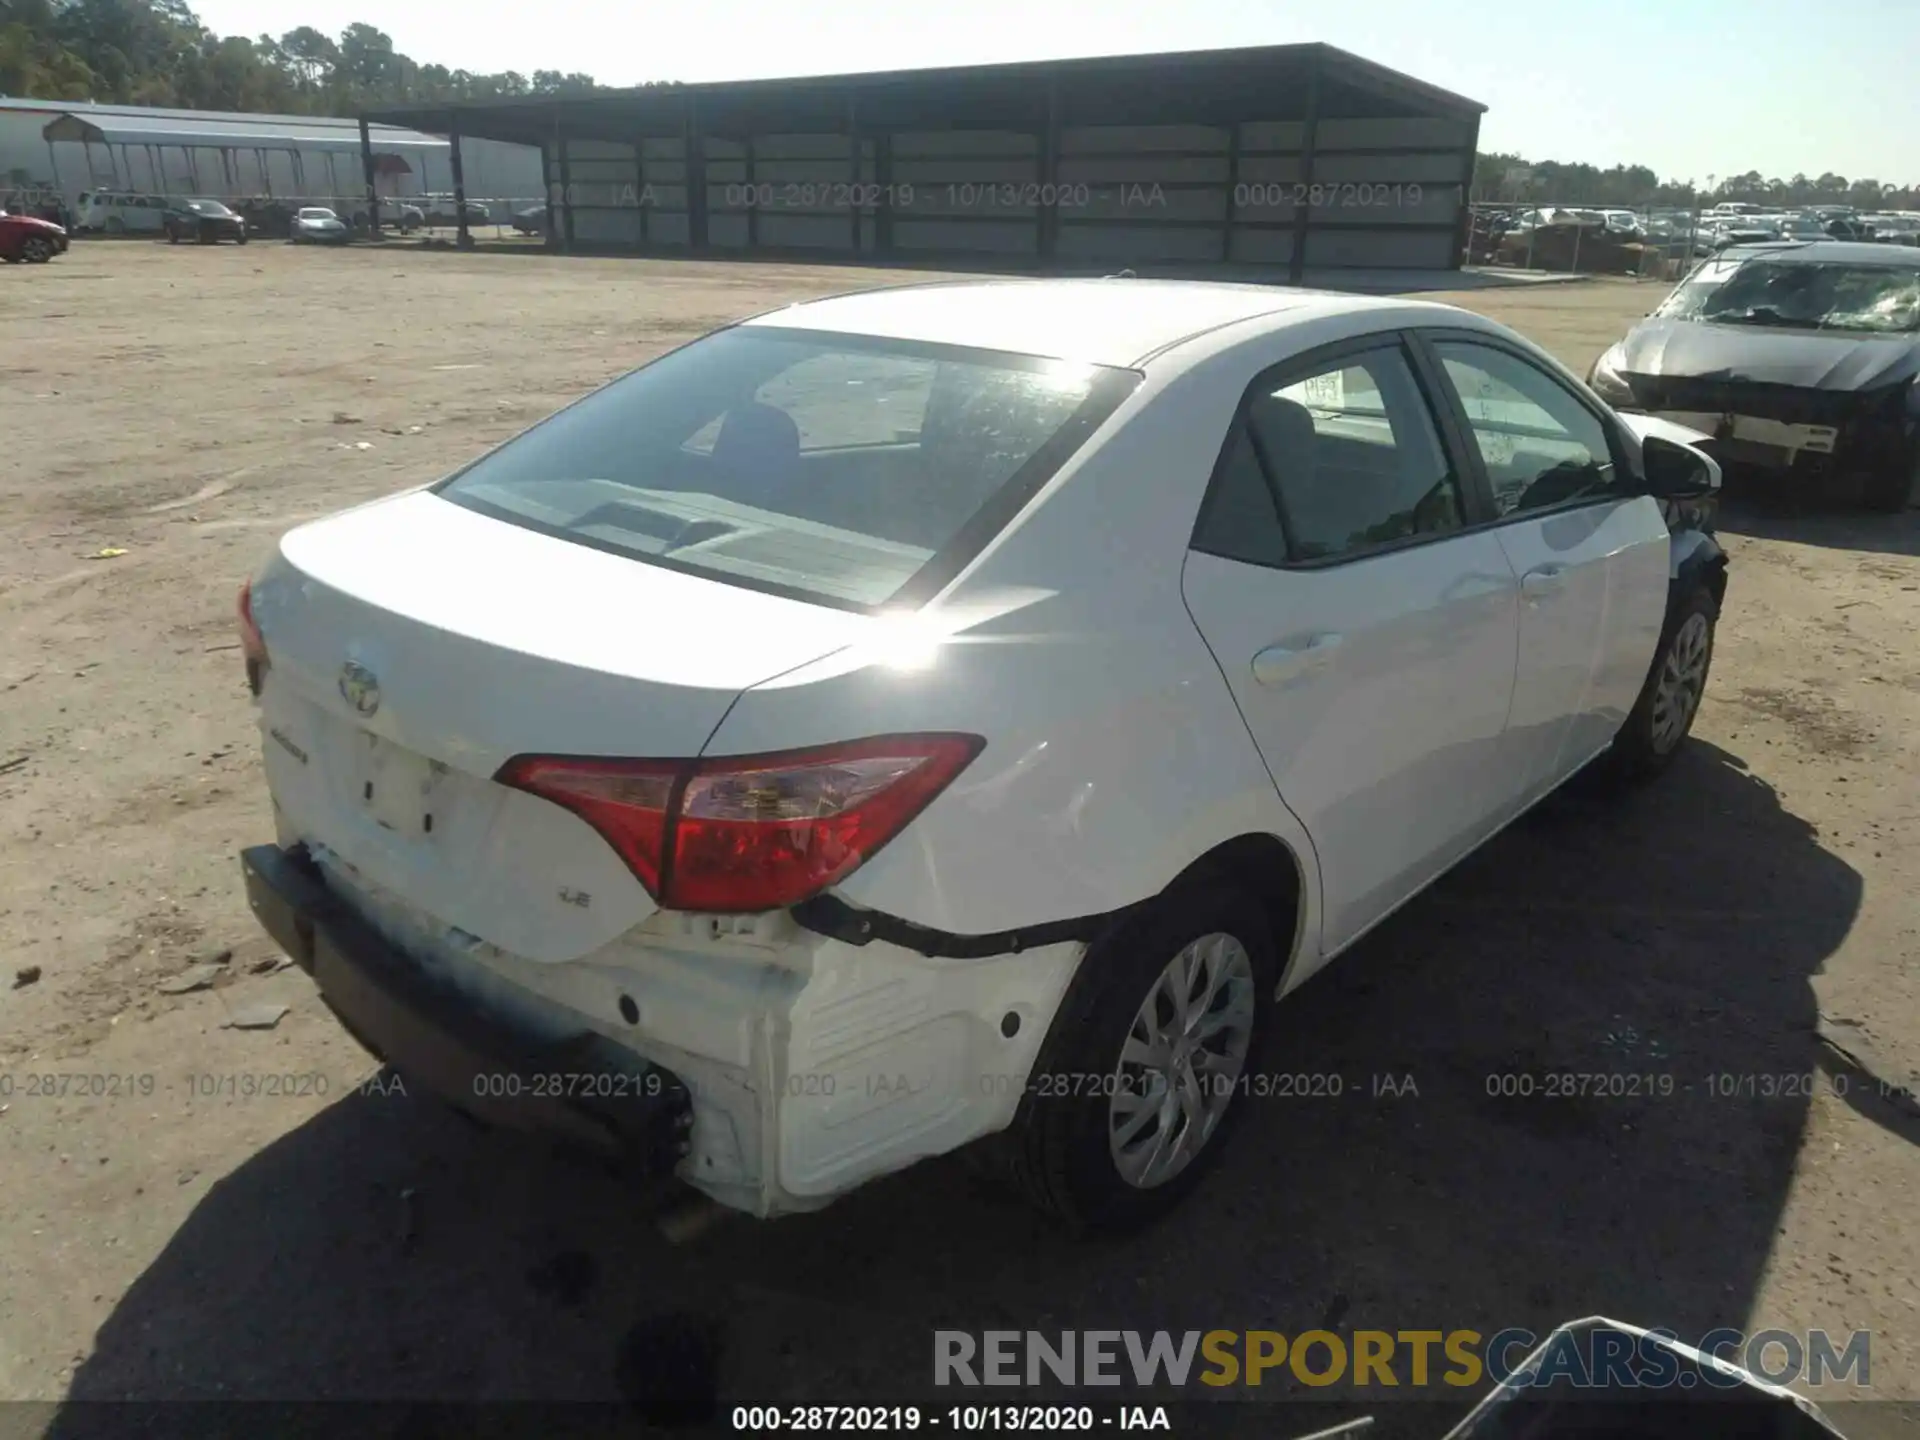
{"type": "Point", "coordinates": [1651, 950]}
{"type": "Point", "coordinates": [1764, 510]}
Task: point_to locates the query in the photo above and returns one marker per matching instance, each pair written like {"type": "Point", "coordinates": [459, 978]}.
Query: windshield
{"type": "Point", "coordinates": [208, 207]}
{"type": "Point", "coordinates": [318, 215]}
{"type": "Point", "coordinates": [831, 467]}
{"type": "Point", "coordinates": [1800, 295]}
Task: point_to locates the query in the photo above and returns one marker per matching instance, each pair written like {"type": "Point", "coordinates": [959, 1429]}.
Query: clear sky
{"type": "Point", "coordinates": [1688, 87]}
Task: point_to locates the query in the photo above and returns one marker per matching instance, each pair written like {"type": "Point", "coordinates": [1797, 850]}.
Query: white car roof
{"type": "Point", "coordinates": [1106, 322]}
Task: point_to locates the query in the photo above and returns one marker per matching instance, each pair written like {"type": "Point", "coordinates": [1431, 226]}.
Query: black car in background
{"type": "Point", "coordinates": [206, 222]}
{"type": "Point", "coordinates": [1801, 358]}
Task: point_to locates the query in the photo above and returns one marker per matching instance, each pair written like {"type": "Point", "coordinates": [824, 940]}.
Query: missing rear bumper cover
{"type": "Point", "coordinates": [584, 1089]}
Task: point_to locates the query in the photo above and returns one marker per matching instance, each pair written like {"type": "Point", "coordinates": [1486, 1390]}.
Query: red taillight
{"type": "Point", "coordinates": [252, 647]}
{"type": "Point", "coordinates": [750, 832]}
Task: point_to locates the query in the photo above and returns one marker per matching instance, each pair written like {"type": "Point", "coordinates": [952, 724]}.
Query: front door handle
{"type": "Point", "coordinates": [1278, 664]}
{"type": "Point", "coordinates": [1544, 580]}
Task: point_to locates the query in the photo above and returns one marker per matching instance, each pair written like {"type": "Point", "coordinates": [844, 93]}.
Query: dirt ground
{"type": "Point", "coordinates": [168, 1228]}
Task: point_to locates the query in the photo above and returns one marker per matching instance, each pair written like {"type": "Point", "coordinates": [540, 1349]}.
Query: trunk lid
{"type": "Point", "coordinates": [416, 646]}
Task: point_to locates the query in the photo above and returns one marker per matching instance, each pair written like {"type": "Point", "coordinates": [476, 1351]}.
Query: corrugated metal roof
{"type": "Point", "coordinates": [1141, 69]}
{"type": "Point", "coordinates": [152, 122]}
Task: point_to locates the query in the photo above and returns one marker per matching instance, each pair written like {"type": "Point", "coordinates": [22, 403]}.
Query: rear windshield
{"type": "Point", "coordinates": [1800, 295]}
{"type": "Point", "coordinates": [846, 469]}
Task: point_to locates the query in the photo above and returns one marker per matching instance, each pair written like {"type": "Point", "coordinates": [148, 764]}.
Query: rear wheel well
{"type": "Point", "coordinates": [1262, 867]}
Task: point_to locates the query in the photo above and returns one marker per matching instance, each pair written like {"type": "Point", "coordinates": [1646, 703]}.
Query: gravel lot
{"type": "Point", "coordinates": [187, 405]}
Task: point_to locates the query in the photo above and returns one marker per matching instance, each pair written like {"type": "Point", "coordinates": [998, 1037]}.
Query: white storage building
{"type": "Point", "coordinates": [71, 147]}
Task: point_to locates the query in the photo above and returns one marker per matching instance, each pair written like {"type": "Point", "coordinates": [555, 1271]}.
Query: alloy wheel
{"type": "Point", "coordinates": [1181, 1061]}
{"type": "Point", "coordinates": [1683, 677]}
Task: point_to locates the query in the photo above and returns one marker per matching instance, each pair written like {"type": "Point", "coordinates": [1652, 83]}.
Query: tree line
{"type": "Point", "coordinates": [1505, 177]}
{"type": "Point", "coordinates": [156, 52]}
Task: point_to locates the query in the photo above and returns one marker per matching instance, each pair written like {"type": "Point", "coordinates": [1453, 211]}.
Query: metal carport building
{"type": "Point", "coordinates": [1295, 157]}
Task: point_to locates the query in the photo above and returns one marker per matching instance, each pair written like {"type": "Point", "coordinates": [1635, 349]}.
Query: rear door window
{"type": "Point", "coordinates": [1332, 464]}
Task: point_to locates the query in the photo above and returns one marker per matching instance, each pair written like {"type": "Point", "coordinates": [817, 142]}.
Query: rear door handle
{"type": "Point", "coordinates": [1544, 580]}
{"type": "Point", "coordinates": [1278, 664]}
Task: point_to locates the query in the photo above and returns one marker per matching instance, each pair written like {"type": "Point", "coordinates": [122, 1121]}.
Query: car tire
{"type": "Point", "coordinates": [173, 236]}
{"type": "Point", "coordinates": [1088, 1085]}
{"type": "Point", "coordinates": [241, 238]}
{"type": "Point", "coordinates": [36, 251]}
{"type": "Point", "coordinates": [115, 225]}
{"type": "Point", "coordinates": [1655, 730]}
{"type": "Point", "coordinates": [1891, 489]}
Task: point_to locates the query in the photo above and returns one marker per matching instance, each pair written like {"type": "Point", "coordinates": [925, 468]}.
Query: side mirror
{"type": "Point", "coordinates": [1676, 471]}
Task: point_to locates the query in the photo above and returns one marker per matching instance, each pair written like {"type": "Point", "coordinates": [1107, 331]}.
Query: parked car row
{"type": "Point", "coordinates": [119, 212]}
{"type": "Point", "coordinates": [1506, 233]}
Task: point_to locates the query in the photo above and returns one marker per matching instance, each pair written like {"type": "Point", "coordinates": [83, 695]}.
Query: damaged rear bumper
{"type": "Point", "coordinates": [809, 1063]}
{"type": "Point", "coordinates": [590, 1094]}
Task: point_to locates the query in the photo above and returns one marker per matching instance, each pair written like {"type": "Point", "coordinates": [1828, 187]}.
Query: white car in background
{"type": "Point", "coordinates": [121, 212]}
{"type": "Point", "coordinates": [953, 711]}
{"type": "Point", "coordinates": [316, 225]}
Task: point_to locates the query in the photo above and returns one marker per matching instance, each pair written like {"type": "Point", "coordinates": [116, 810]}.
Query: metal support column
{"type": "Point", "coordinates": [462, 237]}
{"type": "Point", "coordinates": [696, 168]}
{"type": "Point", "coordinates": [753, 210]}
{"type": "Point", "coordinates": [1463, 222]}
{"type": "Point", "coordinates": [1233, 188]}
{"type": "Point", "coordinates": [854, 182]}
{"type": "Point", "coordinates": [642, 198]}
{"type": "Point", "coordinates": [566, 190]}
{"type": "Point", "coordinates": [883, 187]}
{"type": "Point", "coordinates": [548, 159]}
{"type": "Point", "coordinates": [372, 180]}
{"type": "Point", "coordinates": [1049, 217]}
{"type": "Point", "coordinates": [1303, 214]}
{"type": "Point", "coordinates": [547, 234]}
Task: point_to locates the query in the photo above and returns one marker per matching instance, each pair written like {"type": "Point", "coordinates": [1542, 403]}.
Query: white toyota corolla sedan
{"type": "Point", "coordinates": [954, 711]}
